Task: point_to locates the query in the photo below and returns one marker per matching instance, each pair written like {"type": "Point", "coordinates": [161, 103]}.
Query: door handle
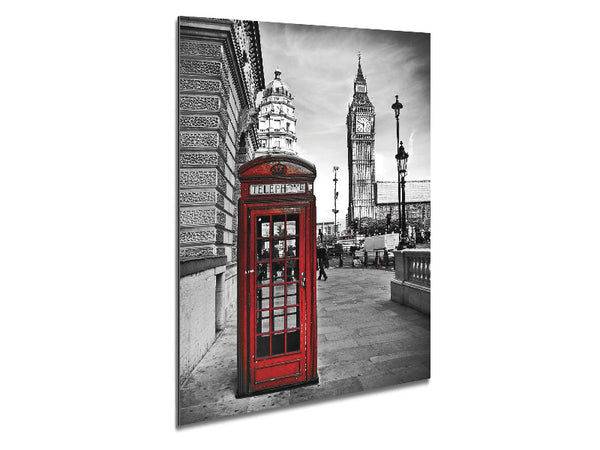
{"type": "Point", "coordinates": [303, 281]}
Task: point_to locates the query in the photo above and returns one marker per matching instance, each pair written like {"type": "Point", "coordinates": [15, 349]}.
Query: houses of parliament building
{"type": "Point", "coordinates": [368, 198]}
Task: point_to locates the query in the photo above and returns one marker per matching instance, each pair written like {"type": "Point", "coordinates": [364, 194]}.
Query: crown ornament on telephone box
{"type": "Point", "coordinates": [278, 169]}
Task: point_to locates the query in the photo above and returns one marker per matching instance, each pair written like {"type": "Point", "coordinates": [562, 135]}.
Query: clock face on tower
{"type": "Point", "coordinates": [363, 125]}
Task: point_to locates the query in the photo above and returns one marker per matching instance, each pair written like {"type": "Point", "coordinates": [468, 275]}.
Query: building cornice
{"type": "Point", "coordinates": [222, 30]}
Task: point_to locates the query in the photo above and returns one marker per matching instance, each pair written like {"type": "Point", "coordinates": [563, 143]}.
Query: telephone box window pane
{"type": "Point", "coordinates": [293, 341]}
{"type": "Point", "coordinates": [262, 298]}
{"type": "Point", "coordinates": [278, 344]}
{"type": "Point", "coordinates": [263, 274]}
{"type": "Point", "coordinates": [291, 246]}
{"type": "Point", "coordinates": [278, 269]}
{"type": "Point", "coordinates": [265, 325]}
{"type": "Point", "coordinates": [278, 249]}
{"type": "Point", "coordinates": [262, 346]}
{"type": "Point", "coordinates": [262, 293]}
{"type": "Point", "coordinates": [262, 304]}
{"type": "Point", "coordinates": [278, 319]}
{"type": "Point", "coordinates": [292, 318]}
{"type": "Point", "coordinates": [292, 224]}
{"type": "Point", "coordinates": [262, 251]}
{"type": "Point", "coordinates": [292, 270]}
{"type": "Point", "coordinates": [292, 294]}
{"type": "Point", "coordinates": [263, 224]}
{"type": "Point", "coordinates": [278, 226]}
{"type": "Point", "coordinates": [262, 322]}
{"type": "Point", "coordinates": [262, 326]}
{"type": "Point", "coordinates": [278, 295]}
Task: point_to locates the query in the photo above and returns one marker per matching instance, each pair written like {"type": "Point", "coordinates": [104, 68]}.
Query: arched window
{"type": "Point", "coordinates": [242, 143]}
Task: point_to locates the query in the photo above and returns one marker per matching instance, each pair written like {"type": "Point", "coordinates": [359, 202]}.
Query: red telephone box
{"type": "Point", "coordinates": [277, 316]}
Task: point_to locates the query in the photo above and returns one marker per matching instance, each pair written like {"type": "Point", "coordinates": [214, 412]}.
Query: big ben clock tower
{"type": "Point", "coordinates": [360, 123]}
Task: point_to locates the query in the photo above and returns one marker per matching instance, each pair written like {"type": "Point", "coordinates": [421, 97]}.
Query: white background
{"type": "Point", "coordinates": [87, 186]}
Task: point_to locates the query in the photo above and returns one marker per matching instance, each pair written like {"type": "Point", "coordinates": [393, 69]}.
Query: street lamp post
{"type": "Point", "coordinates": [335, 196]}
{"type": "Point", "coordinates": [401, 161]}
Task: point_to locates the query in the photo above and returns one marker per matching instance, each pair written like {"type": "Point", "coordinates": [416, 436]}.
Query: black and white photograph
{"type": "Point", "coordinates": [303, 151]}
{"type": "Point", "coordinates": [340, 225]}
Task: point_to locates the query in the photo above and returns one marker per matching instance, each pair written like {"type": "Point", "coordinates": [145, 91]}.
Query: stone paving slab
{"type": "Point", "coordinates": [365, 341]}
{"type": "Point", "coordinates": [336, 388]}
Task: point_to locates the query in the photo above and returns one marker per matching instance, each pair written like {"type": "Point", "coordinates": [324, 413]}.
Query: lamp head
{"type": "Point", "coordinates": [401, 158]}
{"type": "Point", "coordinates": [397, 106]}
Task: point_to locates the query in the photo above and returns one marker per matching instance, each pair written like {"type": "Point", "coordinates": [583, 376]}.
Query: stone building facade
{"type": "Point", "coordinates": [220, 73]}
{"type": "Point", "coordinates": [360, 124]}
{"type": "Point", "coordinates": [418, 203]}
{"type": "Point", "coordinates": [325, 228]}
{"type": "Point", "coordinates": [277, 118]}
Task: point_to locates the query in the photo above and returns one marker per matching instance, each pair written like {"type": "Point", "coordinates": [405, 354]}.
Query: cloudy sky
{"type": "Point", "coordinates": [319, 65]}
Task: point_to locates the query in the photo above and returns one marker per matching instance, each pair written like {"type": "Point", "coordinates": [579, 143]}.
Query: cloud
{"type": "Point", "coordinates": [319, 65]}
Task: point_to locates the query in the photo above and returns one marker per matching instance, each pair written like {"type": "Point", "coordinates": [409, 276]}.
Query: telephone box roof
{"type": "Point", "coordinates": [270, 167]}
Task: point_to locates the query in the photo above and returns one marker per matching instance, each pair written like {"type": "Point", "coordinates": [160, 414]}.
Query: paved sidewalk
{"type": "Point", "coordinates": [365, 341]}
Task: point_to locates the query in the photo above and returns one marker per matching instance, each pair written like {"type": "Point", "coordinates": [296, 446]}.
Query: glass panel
{"type": "Point", "coordinates": [278, 343]}
{"type": "Point", "coordinates": [278, 319]}
{"type": "Point", "coordinates": [292, 224]}
{"type": "Point", "coordinates": [278, 226]}
{"type": "Point", "coordinates": [262, 322]}
{"type": "Point", "coordinates": [291, 246]}
{"type": "Point", "coordinates": [292, 270]}
{"type": "Point", "coordinates": [262, 346]}
{"type": "Point", "coordinates": [292, 294]}
{"type": "Point", "coordinates": [292, 318]}
{"type": "Point", "coordinates": [278, 296]}
{"type": "Point", "coordinates": [262, 298]}
{"type": "Point", "coordinates": [262, 226]}
{"type": "Point", "coordinates": [293, 341]}
{"type": "Point", "coordinates": [262, 304]}
{"type": "Point", "coordinates": [264, 325]}
{"type": "Point", "coordinates": [262, 250]}
{"type": "Point", "coordinates": [278, 268]}
{"type": "Point", "coordinates": [262, 273]}
{"type": "Point", "coordinates": [278, 248]}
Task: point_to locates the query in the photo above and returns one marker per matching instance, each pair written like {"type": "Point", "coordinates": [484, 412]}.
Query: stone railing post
{"type": "Point", "coordinates": [399, 265]}
{"type": "Point", "coordinates": [410, 286]}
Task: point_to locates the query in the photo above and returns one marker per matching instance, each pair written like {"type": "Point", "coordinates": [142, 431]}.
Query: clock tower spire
{"type": "Point", "coordinates": [360, 78]}
{"type": "Point", "coordinates": [360, 124]}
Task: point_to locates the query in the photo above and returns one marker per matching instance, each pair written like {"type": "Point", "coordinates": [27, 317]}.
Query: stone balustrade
{"type": "Point", "coordinates": [411, 285]}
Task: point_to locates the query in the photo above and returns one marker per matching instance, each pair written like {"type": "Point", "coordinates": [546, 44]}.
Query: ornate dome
{"type": "Point", "coordinates": [277, 86]}
{"type": "Point", "coordinates": [276, 118]}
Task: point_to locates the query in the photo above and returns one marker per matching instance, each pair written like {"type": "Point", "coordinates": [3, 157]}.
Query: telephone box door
{"type": "Point", "coordinates": [278, 303]}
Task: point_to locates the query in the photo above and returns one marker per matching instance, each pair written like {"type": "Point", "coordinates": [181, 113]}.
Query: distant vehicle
{"type": "Point", "coordinates": [349, 240]}
{"type": "Point", "coordinates": [375, 244]}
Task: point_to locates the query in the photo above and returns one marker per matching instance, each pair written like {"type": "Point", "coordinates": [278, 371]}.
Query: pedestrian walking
{"type": "Point", "coordinates": [322, 262]}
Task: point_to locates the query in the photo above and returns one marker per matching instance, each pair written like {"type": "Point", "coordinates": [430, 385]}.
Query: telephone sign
{"type": "Point", "coordinates": [277, 188]}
